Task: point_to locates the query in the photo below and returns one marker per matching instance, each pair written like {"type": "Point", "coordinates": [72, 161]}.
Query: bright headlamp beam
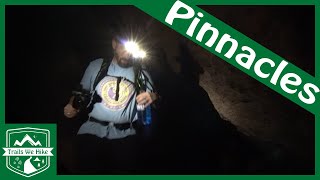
{"type": "Point", "coordinates": [142, 54]}
{"type": "Point", "coordinates": [133, 48]}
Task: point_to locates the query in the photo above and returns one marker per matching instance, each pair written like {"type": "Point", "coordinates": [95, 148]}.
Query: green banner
{"type": "Point", "coordinates": [238, 50]}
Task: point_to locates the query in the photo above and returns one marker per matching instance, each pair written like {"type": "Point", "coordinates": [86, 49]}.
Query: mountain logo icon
{"type": "Point", "coordinates": [27, 138]}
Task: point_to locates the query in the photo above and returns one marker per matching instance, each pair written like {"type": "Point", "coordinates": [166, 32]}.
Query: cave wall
{"type": "Point", "coordinates": [252, 107]}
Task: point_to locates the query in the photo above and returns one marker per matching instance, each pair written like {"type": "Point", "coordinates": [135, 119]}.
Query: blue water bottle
{"type": "Point", "coordinates": [144, 114]}
{"type": "Point", "coordinates": [148, 117]}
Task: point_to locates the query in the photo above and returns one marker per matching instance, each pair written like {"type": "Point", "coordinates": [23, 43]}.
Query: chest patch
{"type": "Point", "coordinates": [107, 90]}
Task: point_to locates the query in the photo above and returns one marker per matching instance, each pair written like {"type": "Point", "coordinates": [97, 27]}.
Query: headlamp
{"type": "Point", "coordinates": [134, 49]}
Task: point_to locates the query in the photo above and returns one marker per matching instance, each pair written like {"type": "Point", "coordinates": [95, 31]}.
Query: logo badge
{"type": "Point", "coordinates": [28, 150]}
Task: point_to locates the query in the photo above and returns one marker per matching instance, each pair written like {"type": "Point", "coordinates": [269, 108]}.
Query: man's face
{"type": "Point", "coordinates": [122, 56]}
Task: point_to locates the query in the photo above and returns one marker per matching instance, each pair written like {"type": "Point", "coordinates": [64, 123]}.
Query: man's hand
{"type": "Point", "coordinates": [69, 111]}
{"type": "Point", "coordinates": [146, 98]}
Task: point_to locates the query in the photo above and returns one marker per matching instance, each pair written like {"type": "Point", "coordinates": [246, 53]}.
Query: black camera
{"type": "Point", "coordinates": [81, 98]}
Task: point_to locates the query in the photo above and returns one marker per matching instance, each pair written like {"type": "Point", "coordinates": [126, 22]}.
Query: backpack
{"type": "Point", "coordinates": [139, 84]}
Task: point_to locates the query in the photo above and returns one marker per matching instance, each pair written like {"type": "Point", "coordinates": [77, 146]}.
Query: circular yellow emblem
{"type": "Point", "coordinates": [108, 94]}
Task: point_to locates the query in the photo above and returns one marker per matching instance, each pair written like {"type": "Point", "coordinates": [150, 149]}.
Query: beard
{"type": "Point", "coordinates": [123, 62]}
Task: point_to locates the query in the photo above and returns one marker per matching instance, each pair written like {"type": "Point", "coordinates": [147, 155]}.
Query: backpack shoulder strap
{"type": "Point", "coordinates": [102, 72]}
